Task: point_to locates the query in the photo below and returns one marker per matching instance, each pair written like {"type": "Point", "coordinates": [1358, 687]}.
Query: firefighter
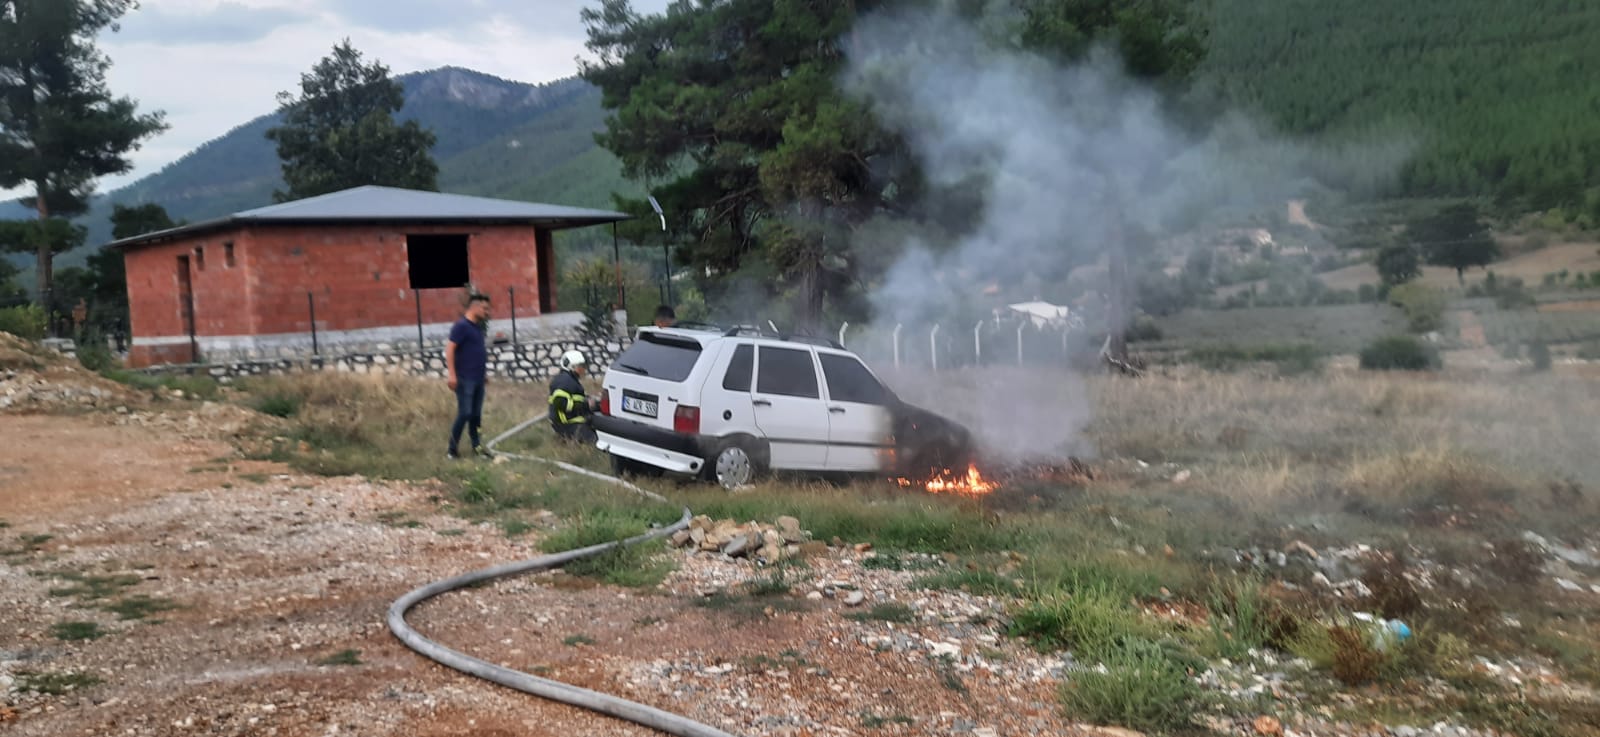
{"type": "Point", "coordinates": [569, 406]}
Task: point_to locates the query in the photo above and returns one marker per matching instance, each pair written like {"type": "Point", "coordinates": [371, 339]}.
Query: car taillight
{"type": "Point", "coordinates": [686, 420]}
{"type": "Point", "coordinates": [605, 402]}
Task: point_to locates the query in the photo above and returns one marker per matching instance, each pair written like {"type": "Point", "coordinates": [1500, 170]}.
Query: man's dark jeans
{"type": "Point", "coordinates": [469, 411]}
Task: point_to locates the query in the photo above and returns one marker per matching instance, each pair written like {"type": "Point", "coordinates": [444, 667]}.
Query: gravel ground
{"type": "Point", "coordinates": [278, 584]}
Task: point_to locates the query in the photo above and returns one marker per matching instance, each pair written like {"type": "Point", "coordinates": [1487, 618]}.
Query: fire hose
{"type": "Point", "coordinates": [607, 704]}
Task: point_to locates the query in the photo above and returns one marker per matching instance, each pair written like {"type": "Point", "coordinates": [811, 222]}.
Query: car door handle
{"type": "Point", "coordinates": [836, 410]}
{"type": "Point", "coordinates": [762, 402]}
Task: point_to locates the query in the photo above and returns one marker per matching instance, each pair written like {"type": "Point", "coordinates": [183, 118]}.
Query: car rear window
{"type": "Point", "coordinates": [743, 363]}
{"type": "Point", "coordinates": [659, 357]}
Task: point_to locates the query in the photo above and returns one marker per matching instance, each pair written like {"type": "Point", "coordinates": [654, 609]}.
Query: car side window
{"type": "Point", "coordinates": [787, 372]}
{"type": "Point", "coordinates": [743, 363]}
{"type": "Point", "coordinates": [849, 381]}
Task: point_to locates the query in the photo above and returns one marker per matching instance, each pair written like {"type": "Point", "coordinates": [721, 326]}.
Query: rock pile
{"type": "Point", "coordinates": [37, 379]}
{"type": "Point", "coordinates": [757, 541]}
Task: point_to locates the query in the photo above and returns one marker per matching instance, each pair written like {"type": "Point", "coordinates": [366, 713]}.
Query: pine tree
{"type": "Point", "coordinates": [60, 126]}
{"type": "Point", "coordinates": [340, 131]}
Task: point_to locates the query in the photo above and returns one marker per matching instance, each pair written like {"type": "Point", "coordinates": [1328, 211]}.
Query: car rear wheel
{"type": "Point", "coordinates": [733, 466]}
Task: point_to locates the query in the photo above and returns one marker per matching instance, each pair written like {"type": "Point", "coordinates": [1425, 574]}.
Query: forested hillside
{"type": "Point", "coordinates": [496, 138]}
{"type": "Point", "coordinates": [1503, 95]}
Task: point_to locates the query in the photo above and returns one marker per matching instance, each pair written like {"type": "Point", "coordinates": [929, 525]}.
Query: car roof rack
{"type": "Point", "coordinates": [694, 325]}
{"type": "Point", "coordinates": [758, 332]}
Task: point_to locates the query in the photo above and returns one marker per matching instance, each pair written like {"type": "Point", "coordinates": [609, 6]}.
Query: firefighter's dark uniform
{"type": "Point", "coordinates": [569, 408]}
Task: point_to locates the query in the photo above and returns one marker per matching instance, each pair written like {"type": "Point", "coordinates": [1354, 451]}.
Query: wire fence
{"type": "Point", "coordinates": [947, 346]}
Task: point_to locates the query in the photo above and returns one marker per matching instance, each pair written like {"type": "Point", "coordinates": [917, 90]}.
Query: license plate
{"type": "Point", "coordinates": [639, 405]}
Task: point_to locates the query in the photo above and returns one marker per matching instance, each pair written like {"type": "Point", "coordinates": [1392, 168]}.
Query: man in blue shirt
{"type": "Point", "coordinates": [466, 359]}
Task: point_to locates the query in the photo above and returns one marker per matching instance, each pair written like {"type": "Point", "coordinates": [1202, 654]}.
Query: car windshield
{"type": "Point", "coordinates": [659, 357]}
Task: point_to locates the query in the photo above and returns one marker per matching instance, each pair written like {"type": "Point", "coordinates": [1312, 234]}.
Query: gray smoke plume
{"type": "Point", "coordinates": [1064, 156]}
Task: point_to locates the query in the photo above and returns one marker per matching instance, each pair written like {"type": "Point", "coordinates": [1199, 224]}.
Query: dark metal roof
{"type": "Point", "coordinates": [372, 204]}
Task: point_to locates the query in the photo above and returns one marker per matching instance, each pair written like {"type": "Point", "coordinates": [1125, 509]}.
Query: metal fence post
{"type": "Point", "coordinates": [1020, 325]}
{"type": "Point", "coordinates": [512, 291]}
{"type": "Point", "coordinates": [977, 344]}
{"type": "Point", "coordinates": [933, 346]}
{"type": "Point", "coordinates": [843, 328]}
{"type": "Point", "coordinates": [311, 304]}
{"type": "Point", "coordinates": [896, 338]}
{"type": "Point", "coordinates": [418, 293]}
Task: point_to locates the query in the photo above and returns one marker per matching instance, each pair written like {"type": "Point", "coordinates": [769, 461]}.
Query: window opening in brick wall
{"type": "Point", "coordinates": [200, 258]}
{"type": "Point", "coordinates": [227, 254]}
{"type": "Point", "coordinates": [437, 261]}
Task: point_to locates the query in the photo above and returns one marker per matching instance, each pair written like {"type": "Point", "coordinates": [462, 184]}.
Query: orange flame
{"type": "Point", "coordinates": [972, 483]}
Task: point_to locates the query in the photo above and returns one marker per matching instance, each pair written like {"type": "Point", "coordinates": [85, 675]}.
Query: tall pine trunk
{"type": "Point", "coordinates": [45, 250]}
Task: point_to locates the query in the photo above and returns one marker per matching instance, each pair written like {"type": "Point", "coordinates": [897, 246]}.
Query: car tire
{"type": "Point", "coordinates": [735, 464]}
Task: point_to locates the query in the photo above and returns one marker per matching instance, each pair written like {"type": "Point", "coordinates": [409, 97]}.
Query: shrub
{"type": "Point", "coordinates": [1367, 293]}
{"type": "Point", "coordinates": [1400, 352]}
{"type": "Point", "coordinates": [1513, 296]}
{"type": "Point", "coordinates": [24, 321]}
{"type": "Point", "coordinates": [1143, 329]}
{"type": "Point", "coordinates": [1355, 660]}
{"type": "Point", "coordinates": [93, 354]}
{"type": "Point", "coordinates": [1143, 687]}
{"type": "Point", "coordinates": [1539, 353]}
{"type": "Point", "coordinates": [1423, 306]}
{"type": "Point", "coordinates": [278, 405]}
{"type": "Point", "coordinates": [1590, 351]}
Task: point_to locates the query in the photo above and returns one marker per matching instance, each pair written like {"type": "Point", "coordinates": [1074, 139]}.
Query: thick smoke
{"type": "Point", "coordinates": [1065, 157]}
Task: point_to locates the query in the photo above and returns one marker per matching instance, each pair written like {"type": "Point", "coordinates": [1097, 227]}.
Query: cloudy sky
{"type": "Point", "coordinates": [214, 64]}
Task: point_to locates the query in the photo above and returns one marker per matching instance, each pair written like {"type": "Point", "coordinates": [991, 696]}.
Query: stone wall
{"type": "Point", "coordinates": [535, 362]}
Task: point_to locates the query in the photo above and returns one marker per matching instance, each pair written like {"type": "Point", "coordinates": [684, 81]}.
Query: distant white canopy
{"type": "Point", "coordinates": [1044, 313]}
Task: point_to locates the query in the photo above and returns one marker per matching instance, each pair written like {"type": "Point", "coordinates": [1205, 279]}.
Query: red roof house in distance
{"type": "Point", "coordinates": [371, 263]}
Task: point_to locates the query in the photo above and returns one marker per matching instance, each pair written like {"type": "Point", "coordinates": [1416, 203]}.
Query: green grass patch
{"type": "Point", "coordinates": [1290, 358]}
{"type": "Point", "coordinates": [636, 566]}
{"type": "Point", "coordinates": [889, 560]}
{"type": "Point", "coordinates": [982, 582]}
{"type": "Point", "coordinates": [343, 657]}
{"type": "Point", "coordinates": [870, 720]}
{"type": "Point", "coordinates": [1238, 620]}
{"type": "Point", "coordinates": [255, 478]}
{"type": "Point", "coordinates": [452, 532]}
{"type": "Point", "coordinates": [514, 526]}
{"type": "Point", "coordinates": [1143, 687]}
{"type": "Point", "coordinates": [193, 387]}
{"type": "Point", "coordinates": [892, 611]}
{"type": "Point", "coordinates": [1092, 621]}
{"type": "Point", "coordinates": [71, 631]}
{"type": "Point", "coordinates": [139, 606]}
{"type": "Point", "coordinates": [91, 587]}
{"type": "Point", "coordinates": [54, 684]}
{"type": "Point", "coordinates": [578, 640]}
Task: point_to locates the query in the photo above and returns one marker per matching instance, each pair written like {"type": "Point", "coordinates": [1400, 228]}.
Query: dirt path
{"type": "Point", "coordinates": [278, 584]}
{"type": "Point", "coordinates": [1471, 328]}
{"type": "Point", "coordinates": [49, 464]}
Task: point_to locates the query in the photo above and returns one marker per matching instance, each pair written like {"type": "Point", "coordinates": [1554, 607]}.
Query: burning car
{"type": "Point", "coordinates": [728, 405]}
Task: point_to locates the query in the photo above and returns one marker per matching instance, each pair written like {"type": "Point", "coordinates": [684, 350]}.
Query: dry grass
{"type": "Point", "coordinates": [1260, 438]}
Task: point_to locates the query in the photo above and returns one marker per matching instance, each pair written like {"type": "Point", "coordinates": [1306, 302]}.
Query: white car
{"type": "Point", "coordinates": [729, 405]}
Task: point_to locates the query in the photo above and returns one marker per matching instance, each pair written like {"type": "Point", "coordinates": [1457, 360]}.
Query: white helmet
{"type": "Point", "coordinates": [571, 359]}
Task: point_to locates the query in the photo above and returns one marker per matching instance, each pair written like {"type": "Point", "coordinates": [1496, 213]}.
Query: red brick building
{"type": "Point", "coordinates": [371, 264]}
